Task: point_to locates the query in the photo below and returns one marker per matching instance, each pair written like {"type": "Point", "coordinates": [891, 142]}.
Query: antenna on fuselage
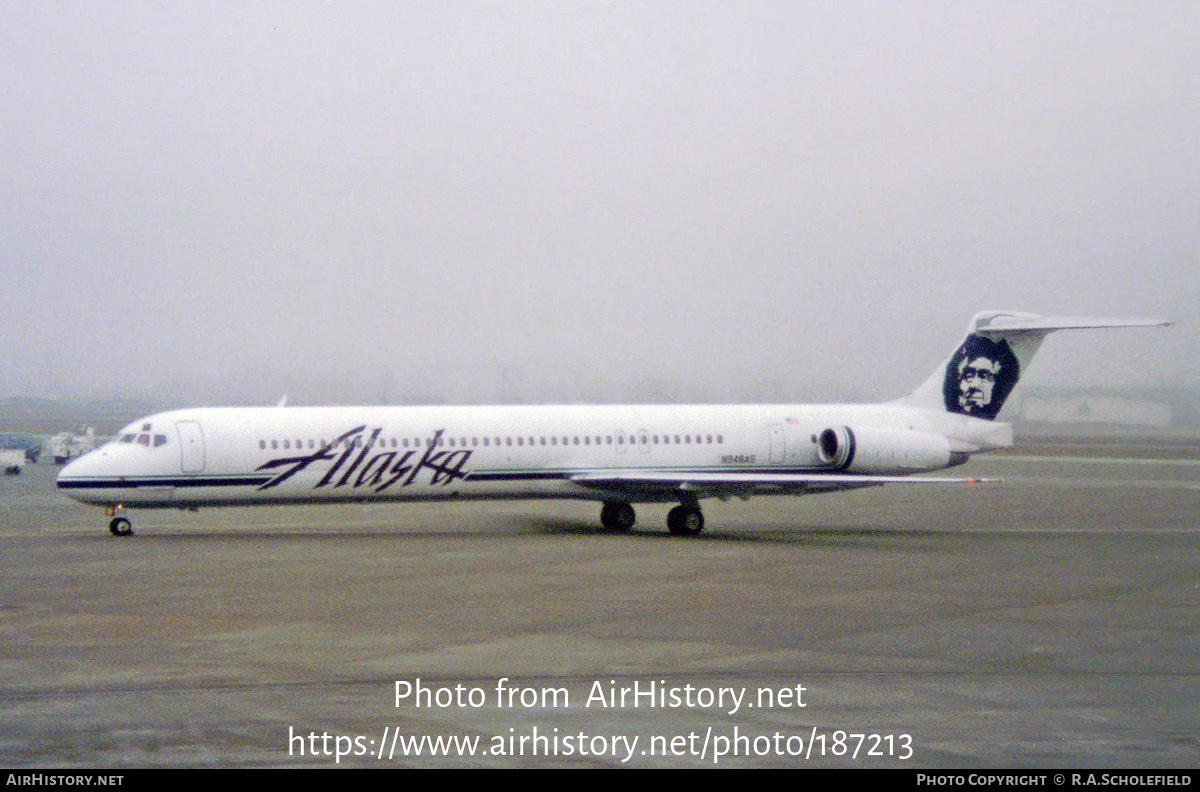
{"type": "Point", "coordinates": [282, 401]}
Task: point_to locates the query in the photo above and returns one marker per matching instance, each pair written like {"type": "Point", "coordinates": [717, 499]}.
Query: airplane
{"type": "Point", "coordinates": [612, 454]}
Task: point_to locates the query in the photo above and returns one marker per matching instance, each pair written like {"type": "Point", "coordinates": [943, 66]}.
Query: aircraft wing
{"type": "Point", "coordinates": [721, 484]}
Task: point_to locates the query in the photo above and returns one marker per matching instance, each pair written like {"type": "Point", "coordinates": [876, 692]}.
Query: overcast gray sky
{"type": "Point", "coordinates": [477, 201]}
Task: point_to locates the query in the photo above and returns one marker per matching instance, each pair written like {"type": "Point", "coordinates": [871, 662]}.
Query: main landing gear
{"type": "Point", "coordinates": [685, 519]}
{"type": "Point", "coordinates": [617, 517]}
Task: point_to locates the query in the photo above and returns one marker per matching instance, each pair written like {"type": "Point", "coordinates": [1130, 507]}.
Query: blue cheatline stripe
{"type": "Point", "coordinates": [250, 480]}
{"type": "Point", "coordinates": [517, 475]}
{"type": "Point", "coordinates": [135, 482]}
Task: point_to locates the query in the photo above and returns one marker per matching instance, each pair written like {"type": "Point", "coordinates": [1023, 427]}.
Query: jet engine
{"type": "Point", "coordinates": [877, 450]}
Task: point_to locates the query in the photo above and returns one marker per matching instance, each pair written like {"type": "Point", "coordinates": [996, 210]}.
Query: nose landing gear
{"type": "Point", "coordinates": [119, 526]}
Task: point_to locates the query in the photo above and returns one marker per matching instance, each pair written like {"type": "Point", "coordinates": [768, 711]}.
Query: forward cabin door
{"type": "Point", "coordinates": [191, 446]}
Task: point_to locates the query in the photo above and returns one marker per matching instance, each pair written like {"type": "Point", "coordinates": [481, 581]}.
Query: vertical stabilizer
{"type": "Point", "coordinates": [981, 373]}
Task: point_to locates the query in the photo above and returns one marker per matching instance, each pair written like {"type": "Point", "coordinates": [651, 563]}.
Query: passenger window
{"type": "Point", "coordinates": [262, 444]}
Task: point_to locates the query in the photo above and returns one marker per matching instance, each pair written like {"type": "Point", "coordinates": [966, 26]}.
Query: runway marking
{"type": "Point", "coordinates": [1090, 460]}
{"type": "Point", "coordinates": [1102, 483]}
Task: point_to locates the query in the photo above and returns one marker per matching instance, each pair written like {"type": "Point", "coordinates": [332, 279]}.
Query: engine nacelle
{"type": "Point", "coordinates": [884, 451]}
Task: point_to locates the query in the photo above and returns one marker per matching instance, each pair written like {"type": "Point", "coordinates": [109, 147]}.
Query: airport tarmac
{"type": "Point", "coordinates": [1048, 620]}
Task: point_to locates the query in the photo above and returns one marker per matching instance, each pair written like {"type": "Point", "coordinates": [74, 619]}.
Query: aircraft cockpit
{"type": "Point", "coordinates": [144, 437]}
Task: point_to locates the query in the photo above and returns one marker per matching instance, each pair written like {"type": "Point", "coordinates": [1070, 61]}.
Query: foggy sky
{"type": "Point", "coordinates": [587, 201]}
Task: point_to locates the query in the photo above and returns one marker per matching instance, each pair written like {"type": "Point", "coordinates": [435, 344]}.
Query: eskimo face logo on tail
{"type": "Point", "coordinates": [980, 376]}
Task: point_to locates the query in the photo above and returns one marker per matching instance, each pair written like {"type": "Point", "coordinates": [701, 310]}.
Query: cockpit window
{"type": "Point", "coordinates": [144, 438]}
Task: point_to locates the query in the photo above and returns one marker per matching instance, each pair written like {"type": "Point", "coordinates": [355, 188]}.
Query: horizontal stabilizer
{"type": "Point", "coordinates": [1012, 323]}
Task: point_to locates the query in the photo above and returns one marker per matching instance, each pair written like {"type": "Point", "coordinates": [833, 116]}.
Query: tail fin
{"type": "Point", "coordinates": [981, 373]}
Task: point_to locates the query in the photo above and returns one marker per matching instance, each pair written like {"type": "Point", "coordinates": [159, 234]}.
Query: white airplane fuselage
{"type": "Point", "coordinates": [249, 455]}
{"type": "Point", "coordinates": [618, 455]}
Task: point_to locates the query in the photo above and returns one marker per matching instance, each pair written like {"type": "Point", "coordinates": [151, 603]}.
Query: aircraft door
{"type": "Point", "coordinates": [191, 446]}
{"type": "Point", "coordinates": [777, 445]}
{"type": "Point", "coordinates": [799, 444]}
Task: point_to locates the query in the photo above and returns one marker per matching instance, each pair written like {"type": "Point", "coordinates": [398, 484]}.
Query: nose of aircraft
{"type": "Point", "coordinates": [76, 478]}
{"type": "Point", "coordinates": [77, 467]}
